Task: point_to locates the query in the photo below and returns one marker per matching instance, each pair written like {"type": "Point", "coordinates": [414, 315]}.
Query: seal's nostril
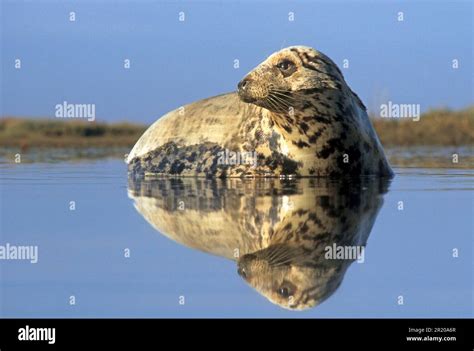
{"type": "Point", "coordinates": [242, 84]}
{"type": "Point", "coordinates": [241, 271]}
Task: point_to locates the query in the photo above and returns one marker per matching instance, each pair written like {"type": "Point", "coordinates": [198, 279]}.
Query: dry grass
{"type": "Point", "coordinates": [25, 133]}
{"type": "Point", "coordinates": [436, 128]}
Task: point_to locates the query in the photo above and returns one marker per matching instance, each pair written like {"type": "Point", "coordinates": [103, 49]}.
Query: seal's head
{"type": "Point", "coordinates": [288, 74]}
{"type": "Point", "coordinates": [291, 277]}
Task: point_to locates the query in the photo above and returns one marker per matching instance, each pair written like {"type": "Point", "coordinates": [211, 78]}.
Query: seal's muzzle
{"type": "Point", "coordinates": [244, 90]}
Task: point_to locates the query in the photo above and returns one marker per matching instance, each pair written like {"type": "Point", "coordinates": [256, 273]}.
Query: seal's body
{"type": "Point", "coordinates": [293, 115]}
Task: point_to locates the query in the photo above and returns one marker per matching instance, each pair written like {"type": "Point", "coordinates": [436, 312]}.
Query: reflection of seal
{"type": "Point", "coordinates": [294, 113]}
{"type": "Point", "coordinates": [278, 231]}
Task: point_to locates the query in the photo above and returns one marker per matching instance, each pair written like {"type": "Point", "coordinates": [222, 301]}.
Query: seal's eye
{"type": "Point", "coordinates": [286, 67]}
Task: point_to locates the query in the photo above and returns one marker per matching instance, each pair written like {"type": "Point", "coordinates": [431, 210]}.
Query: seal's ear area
{"type": "Point", "coordinates": [318, 62]}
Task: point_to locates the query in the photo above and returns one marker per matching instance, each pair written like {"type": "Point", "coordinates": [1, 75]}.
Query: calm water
{"type": "Point", "coordinates": [109, 253]}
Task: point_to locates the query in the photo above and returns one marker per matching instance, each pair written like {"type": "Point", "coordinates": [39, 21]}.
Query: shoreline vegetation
{"type": "Point", "coordinates": [441, 127]}
{"type": "Point", "coordinates": [435, 128]}
{"type": "Point", "coordinates": [25, 133]}
{"type": "Point", "coordinates": [443, 130]}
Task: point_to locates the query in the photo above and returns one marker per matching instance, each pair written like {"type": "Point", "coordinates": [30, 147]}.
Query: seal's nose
{"type": "Point", "coordinates": [244, 266]}
{"type": "Point", "coordinates": [242, 84]}
{"type": "Point", "coordinates": [242, 272]}
{"type": "Point", "coordinates": [245, 90]}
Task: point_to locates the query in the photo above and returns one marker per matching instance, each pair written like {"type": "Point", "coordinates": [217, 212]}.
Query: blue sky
{"type": "Point", "coordinates": [174, 63]}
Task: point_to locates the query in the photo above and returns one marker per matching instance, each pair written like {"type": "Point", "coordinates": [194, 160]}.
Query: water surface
{"type": "Point", "coordinates": [82, 253]}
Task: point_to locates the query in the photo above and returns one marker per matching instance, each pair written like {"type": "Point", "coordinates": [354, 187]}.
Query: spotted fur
{"type": "Point", "coordinates": [304, 121]}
